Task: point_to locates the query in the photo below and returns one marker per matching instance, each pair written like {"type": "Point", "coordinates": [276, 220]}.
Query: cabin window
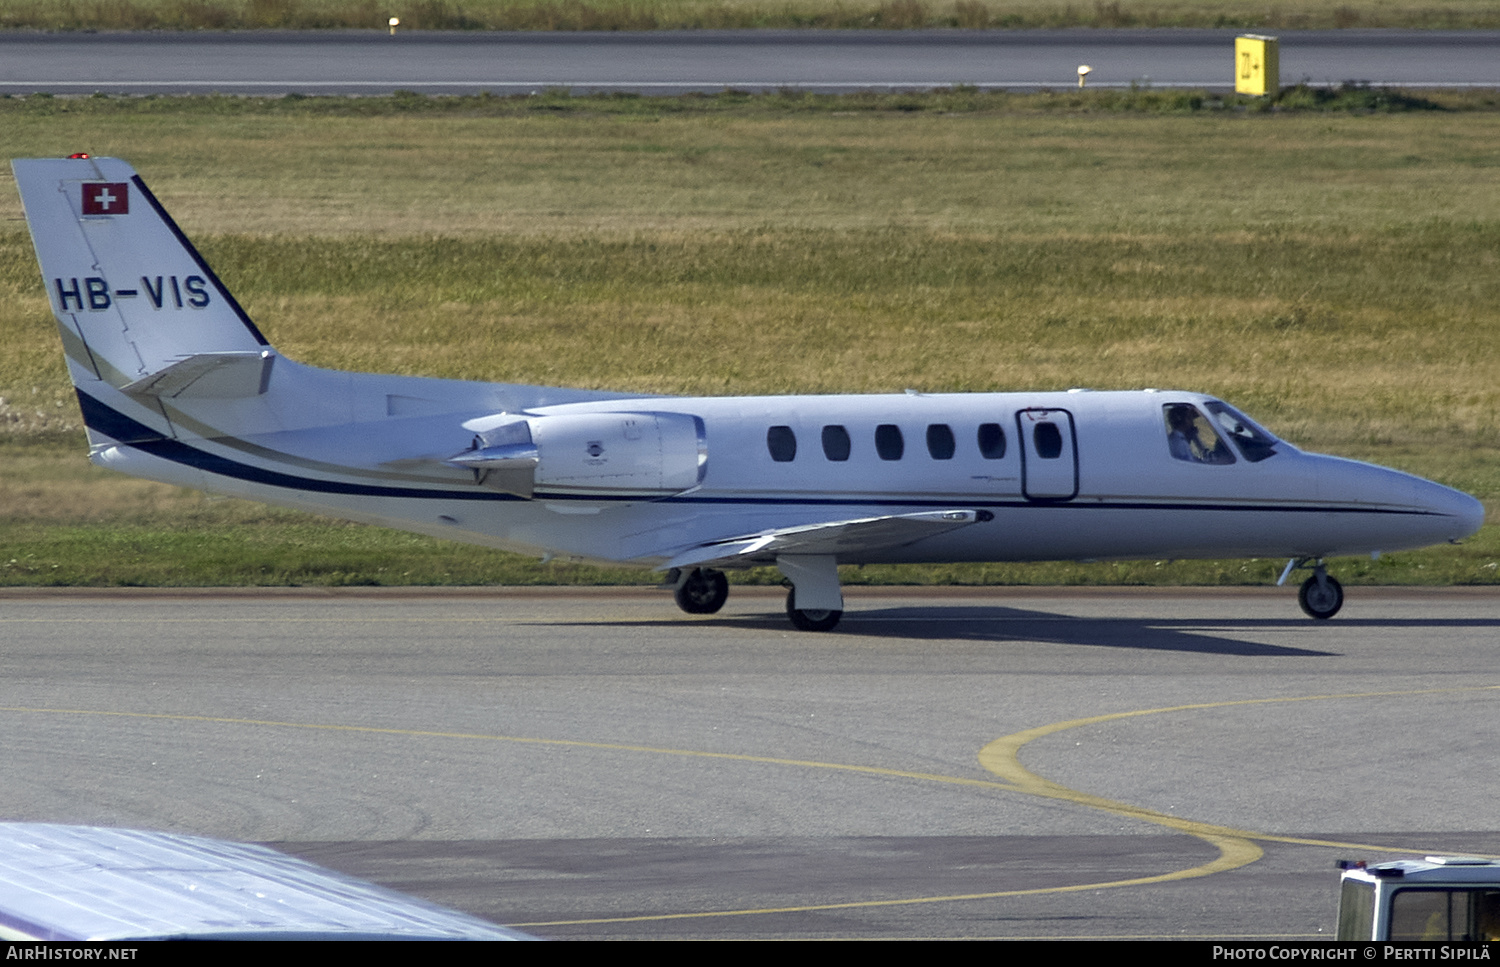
{"type": "Point", "coordinates": [1191, 438]}
{"type": "Point", "coordinates": [835, 443]}
{"type": "Point", "coordinates": [888, 442]}
{"type": "Point", "coordinates": [991, 441]}
{"type": "Point", "coordinates": [782, 443]}
{"type": "Point", "coordinates": [1047, 439]}
{"type": "Point", "coordinates": [940, 441]}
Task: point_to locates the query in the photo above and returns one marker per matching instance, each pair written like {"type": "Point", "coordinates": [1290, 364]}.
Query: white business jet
{"type": "Point", "coordinates": [178, 385]}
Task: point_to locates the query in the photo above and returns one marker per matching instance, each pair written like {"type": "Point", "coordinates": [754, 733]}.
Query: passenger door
{"type": "Point", "coordinates": [1049, 454]}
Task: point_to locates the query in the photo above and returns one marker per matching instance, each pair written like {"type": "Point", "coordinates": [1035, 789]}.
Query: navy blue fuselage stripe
{"type": "Point", "coordinates": [118, 426]}
{"type": "Point", "coordinates": [132, 433]}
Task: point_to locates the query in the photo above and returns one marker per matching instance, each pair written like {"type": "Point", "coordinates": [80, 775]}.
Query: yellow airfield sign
{"type": "Point", "coordinates": [1256, 65]}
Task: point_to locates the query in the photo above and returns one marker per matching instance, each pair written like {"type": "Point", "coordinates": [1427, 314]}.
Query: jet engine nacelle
{"type": "Point", "coordinates": [587, 454]}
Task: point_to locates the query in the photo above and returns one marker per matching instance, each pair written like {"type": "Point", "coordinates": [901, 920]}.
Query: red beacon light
{"type": "Point", "coordinates": [81, 154]}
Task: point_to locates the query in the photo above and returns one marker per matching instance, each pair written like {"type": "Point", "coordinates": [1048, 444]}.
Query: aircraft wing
{"type": "Point", "coordinates": [842, 537]}
{"type": "Point", "coordinates": [83, 883]}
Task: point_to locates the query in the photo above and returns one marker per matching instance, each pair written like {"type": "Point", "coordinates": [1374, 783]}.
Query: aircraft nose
{"type": "Point", "coordinates": [1421, 512]}
{"type": "Point", "coordinates": [1465, 513]}
{"type": "Point", "coordinates": [1453, 513]}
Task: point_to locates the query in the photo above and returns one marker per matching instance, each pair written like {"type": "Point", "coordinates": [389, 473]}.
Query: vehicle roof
{"type": "Point", "coordinates": [1458, 870]}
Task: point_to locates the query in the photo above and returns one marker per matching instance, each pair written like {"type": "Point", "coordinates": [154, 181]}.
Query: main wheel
{"type": "Point", "coordinates": [1321, 600]}
{"type": "Point", "coordinates": [704, 592]}
{"type": "Point", "coordinates": [810, 620]}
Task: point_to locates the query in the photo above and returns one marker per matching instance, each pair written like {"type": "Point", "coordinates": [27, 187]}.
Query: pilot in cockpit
{"type": "Point", "coordinates": [1191, 438]}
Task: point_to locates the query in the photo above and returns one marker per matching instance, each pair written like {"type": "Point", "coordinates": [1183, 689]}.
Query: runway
{"type": "Point", "coordinates": [674, 62]}
{"type": "Point", "coordinates": [949, 763]}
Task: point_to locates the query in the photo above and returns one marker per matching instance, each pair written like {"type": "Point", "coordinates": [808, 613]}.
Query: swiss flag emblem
{"type": "Point", "coordinates": [110, 198]}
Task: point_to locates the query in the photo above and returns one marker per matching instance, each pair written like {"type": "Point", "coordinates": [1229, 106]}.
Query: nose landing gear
{"type": "Point", "coordinates": [1320, 596]}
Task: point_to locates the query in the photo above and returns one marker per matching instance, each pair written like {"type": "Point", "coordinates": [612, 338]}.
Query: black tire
{"type": "Point", "coordinates": [704, 592]}
{"type": "Point", "coordinates": [1321, 602]}
{"type": "Point", "coordinates": [804, 620]}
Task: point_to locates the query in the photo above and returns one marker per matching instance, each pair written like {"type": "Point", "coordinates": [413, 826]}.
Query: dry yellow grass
{"type": "Point", "coordinates": [1099, 177]}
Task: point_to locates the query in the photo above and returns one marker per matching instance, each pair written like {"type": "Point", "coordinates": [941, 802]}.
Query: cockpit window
{"type": "Point", "coordinates": [1191, 437]}
{"type": "Point", "coordinates": [1256, 444]}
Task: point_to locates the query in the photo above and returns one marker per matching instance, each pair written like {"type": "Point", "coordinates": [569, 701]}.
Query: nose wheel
{"type": "Point", "coordinates": [703, 592]}
{"type": "Point", "coordinates": [1321, 596]}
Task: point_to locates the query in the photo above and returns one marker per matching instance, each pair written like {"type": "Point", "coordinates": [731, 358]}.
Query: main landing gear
{"type": "Point", "coordinates": [1320, 596]}
{"type": "Point", "coordinates": [814, 603]}
{"type": "Point", "coordinates": [810, 619]}
{"type": "Point", "coordinates": [702, 591]}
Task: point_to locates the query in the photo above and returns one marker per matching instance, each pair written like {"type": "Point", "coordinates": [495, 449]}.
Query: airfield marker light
{"type": "Point", "coordinates": [1083, 73]}
{"type": "Point", "coordinates": [394, 22]}
{"type": "Point", "coordinates": [80, 156]}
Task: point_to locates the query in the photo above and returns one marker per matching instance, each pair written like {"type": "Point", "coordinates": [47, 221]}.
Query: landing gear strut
{"type": "Point", "coordinates": [810, 619]}
{"type": "Point", "coordinates": [815, 602]}
{"type": "Point", "coordinates": [703, 591]}
{"type": "Point", "coordinates": [1321, 596]}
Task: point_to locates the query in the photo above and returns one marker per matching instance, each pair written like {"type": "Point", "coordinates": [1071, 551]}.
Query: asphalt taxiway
{"type": "Point", "coordinates": [1009, 763]}
{"type": "Point", "coordinates": [279, 62]}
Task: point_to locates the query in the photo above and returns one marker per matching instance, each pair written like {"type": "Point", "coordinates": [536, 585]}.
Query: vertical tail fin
{"type": "Point", "coordinates": [138, 308]}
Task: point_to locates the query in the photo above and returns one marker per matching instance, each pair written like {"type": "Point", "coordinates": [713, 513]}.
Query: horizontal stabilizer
{"type": "Point", "coordinates": [844, 537]}
{"type": "Point", "coordinates": [226, 375]}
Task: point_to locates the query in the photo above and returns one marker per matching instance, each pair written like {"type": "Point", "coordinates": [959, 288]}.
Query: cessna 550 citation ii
{"type": "Point", "coordinates": [178, 385]}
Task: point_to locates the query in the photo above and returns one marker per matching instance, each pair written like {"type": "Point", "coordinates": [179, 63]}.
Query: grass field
{"type": "Point", "coordinates": [737, 14]}
{"type": "Point", "coordinates": [1332, 273]}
